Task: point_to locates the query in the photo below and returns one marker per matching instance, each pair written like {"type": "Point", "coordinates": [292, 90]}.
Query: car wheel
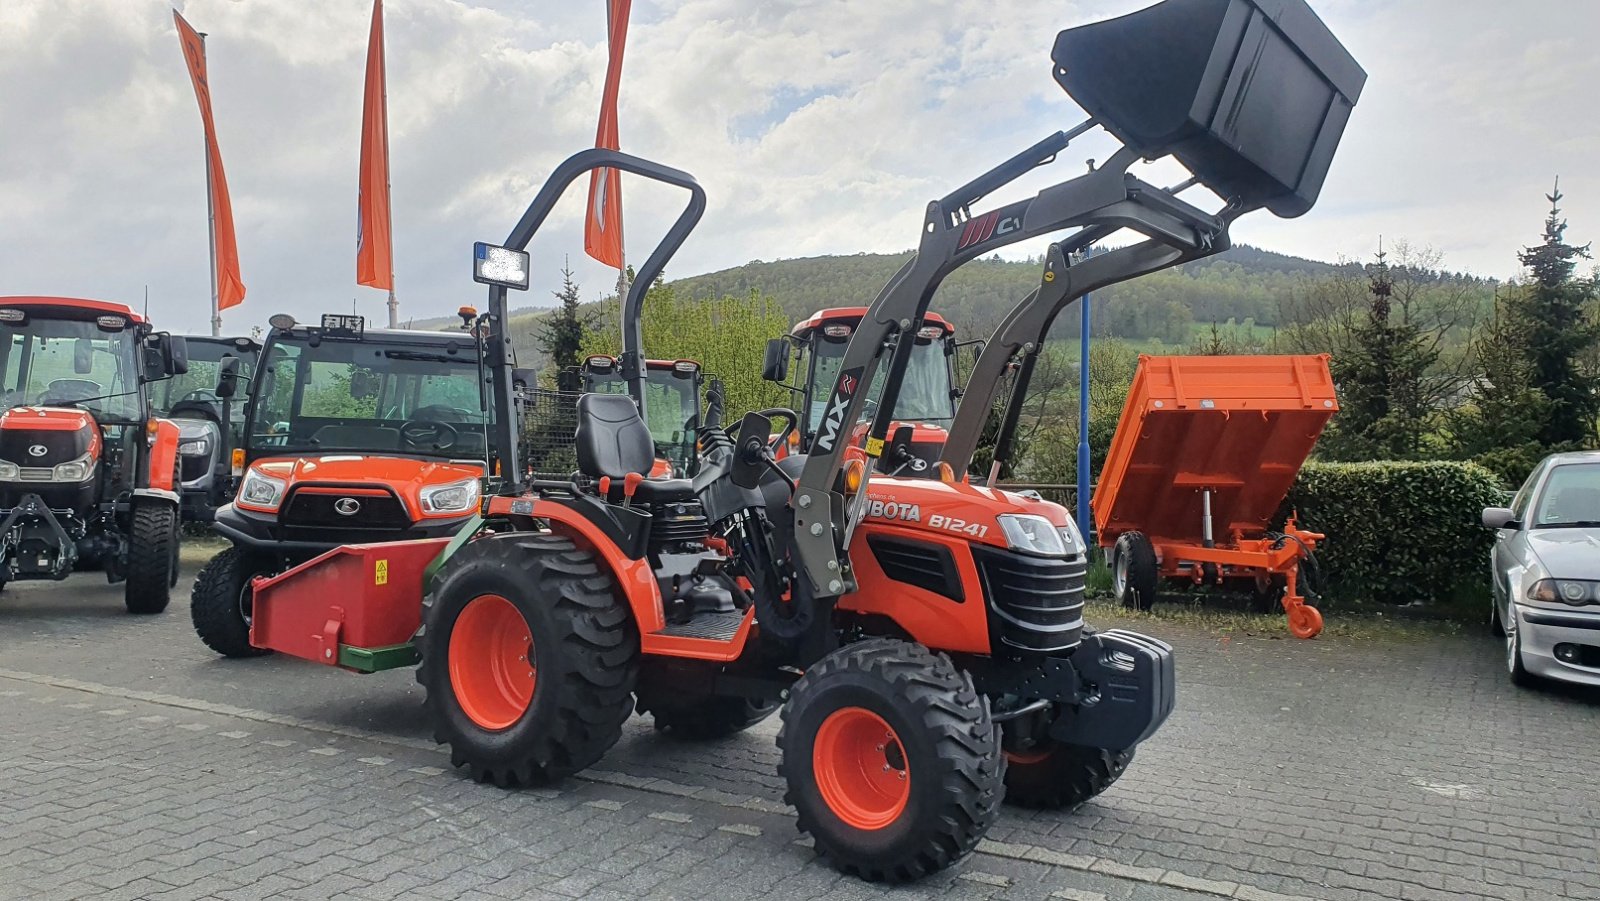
{"type": "Point", "coordinates": [1514, 668]}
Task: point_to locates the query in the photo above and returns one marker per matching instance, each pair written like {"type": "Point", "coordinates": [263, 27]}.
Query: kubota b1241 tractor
{"type": "Point", "coordinates": [924, 637]}
{"type": "Point", "coordinates": [88, 475]}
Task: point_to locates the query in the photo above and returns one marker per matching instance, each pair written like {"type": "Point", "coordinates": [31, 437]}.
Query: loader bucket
{"type": "Point", "coordinates": [1251, 95]}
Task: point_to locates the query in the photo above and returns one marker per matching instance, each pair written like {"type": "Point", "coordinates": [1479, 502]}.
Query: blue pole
{"type": "Point", "coordinates": [1083, 418]}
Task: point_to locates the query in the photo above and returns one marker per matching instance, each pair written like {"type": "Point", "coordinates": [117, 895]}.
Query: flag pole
{"type": "Point", "coordinates": [211, 223]}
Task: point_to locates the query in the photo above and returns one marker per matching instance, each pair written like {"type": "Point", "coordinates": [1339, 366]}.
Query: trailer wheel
{"type": "Point", "coordinates": [220, 603]}
{"type": "Point", "coordinates": [528, 658]}
{"type": "Point", "coordinates": [704, 716]}
{"type": "Point", "coordinates": [1060, 776]}
{"type": "Point", "coordinates": [152, 555]}
{"type": "Point", "coordinates": [1134, 571]}
{"type": "Point", "coordinates": [892, 762]}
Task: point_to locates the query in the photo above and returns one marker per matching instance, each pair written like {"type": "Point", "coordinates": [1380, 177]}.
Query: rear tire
{"type": "Point", "coordinates": [217, 603]}
{"type": "Point", "coordinates": [152, 555]}
{"type": "Point", "coordinates": [704, 717]}
{"type": "Point", "coordinates": [1134, 571]}
{"type": "Point", "coordinates": [1062, 776]}
{"type": "Point", "coordinates": [892, 761]}
{"type": "Point", "coordinates": [531, 708]}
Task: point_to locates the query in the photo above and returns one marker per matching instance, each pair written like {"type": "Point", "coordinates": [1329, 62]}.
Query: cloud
{"type": "Point", "coordinates": [816, 126]}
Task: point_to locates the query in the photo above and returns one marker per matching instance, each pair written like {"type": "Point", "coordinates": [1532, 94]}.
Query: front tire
{"type": "Point", "coordinates": [528, 659]}
{"type": "Point", "coordinates": [1134, 571]}
{"type": "Point", "coordinates": [892, 761]}
{"type": "Point", "coordinates": [152, 555]}
{"type": "Point", "coordinates": [220, 603]}
{"type": "Point", "coordinates": [1061, 776]}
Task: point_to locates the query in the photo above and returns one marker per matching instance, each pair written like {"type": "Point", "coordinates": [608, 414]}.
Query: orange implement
{"type": "Point", "coordinates": [1204, 454]}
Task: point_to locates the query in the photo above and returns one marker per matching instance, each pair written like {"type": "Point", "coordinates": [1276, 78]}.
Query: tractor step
{"type": "Point", "coordinates": [711, 626]}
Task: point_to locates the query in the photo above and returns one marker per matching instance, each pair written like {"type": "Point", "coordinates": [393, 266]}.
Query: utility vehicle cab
{"type": "Point", "coordinates": [87, 473]}
{"type": "Point", "coordinates": [927, 402]}
{"type": "Point", "coordinates": [209, 427]}
{"type": "Point", "coordinates": [672, 389]}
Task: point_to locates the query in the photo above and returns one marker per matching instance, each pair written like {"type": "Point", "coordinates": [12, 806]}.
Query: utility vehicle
{"type": "Point", "coordinates": [924, 636]}
{"type": "Point", "coordinates": [209, 427]}
{"type": "Point", "coordinates": [351, 435]}
{"type": "Point", "coordinates": [88, 472]}
{"type": "Point", "coordinates": [927, 401]}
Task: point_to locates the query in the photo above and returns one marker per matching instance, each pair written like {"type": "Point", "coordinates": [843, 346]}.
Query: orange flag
{"type": "Point", "coordinates": [230, 290]}
{"type": "Point", "coordinates": [602, 234]}
{"type": "Point", "coordinates": [374, 250]}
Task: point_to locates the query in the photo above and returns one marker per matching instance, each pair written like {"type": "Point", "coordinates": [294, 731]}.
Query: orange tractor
{"type": "Point", "coordinates": [924, 637]}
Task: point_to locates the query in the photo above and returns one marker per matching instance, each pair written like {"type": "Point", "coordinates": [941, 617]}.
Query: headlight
{"type": "Point", "coordinates": [456, 497]}
{"type": "Point", "coordinates": [9, 471]}
{"type": "Point", "coordinates": [1032, 534]}
{"type": "Point", "coordinates": [73, 470]}
{"type": "Point", "coordinates": [1072, 538]}
{"type": "Point", "coordinates": [1575, 592]}
{"type": "Point", "coordinates": [261, 490]}
{"type": "Point", "coordinates": [194, 447]}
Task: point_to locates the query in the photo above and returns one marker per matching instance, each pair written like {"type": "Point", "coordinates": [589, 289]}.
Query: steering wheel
{"type": "Point", "coordinates": [442, 435]}
{"type": "Point", "coordinates": [791, 421]}
{"type": "Point", "coordinates": [201, 395]}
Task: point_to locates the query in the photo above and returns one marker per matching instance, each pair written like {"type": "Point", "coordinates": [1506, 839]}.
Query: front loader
{"type": "Point", "coordinates": [924, 637]}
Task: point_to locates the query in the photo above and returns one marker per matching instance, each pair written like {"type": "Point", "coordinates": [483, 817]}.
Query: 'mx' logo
{"type": "Point", "coordinates": [833, 422]}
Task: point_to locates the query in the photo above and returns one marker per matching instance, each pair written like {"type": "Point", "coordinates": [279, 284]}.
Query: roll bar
{"type": "Point", "coordinates": [501, 357]}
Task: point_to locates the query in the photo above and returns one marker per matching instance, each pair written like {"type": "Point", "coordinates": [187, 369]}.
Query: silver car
{"type": "Point", "coordinates": [1546, 572]}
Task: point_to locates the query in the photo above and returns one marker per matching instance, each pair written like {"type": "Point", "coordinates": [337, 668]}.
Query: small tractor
{"type": "Point", "coordinates": [209, 427]}
{"type": "Point", "coordinates": [924, 637]}
{"type": "Point", "coordinates": [351, 436]}
{"type": "Point", "coordinates": [88, 472]}
{"type": "Point", "coordinates": [927, 401]}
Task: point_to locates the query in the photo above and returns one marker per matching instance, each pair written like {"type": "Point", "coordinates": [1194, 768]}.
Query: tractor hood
{"type": "Point", "coordinates": [35, 437]}
{"type": "Point", "coordinates": [406, 476]}
{"type": "Point", "coordinates": [961, 508]}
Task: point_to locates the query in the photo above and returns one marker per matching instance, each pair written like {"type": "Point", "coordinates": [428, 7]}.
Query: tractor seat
{"type": "Point", "coordinates": [613, 441]}
{"type": "Point", "coordinates": [195, 409]}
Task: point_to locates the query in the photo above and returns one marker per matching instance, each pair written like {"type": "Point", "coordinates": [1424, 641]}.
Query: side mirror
{"type": "Point", "coordinates": [1499, 518]}
{"type": "Point", "coordinates": [83, 356]}
{"type": "Point", "coordinates": [363, 384]}
{"type": "Point", "coordinates": [750, 456]}
{"type": "Point", "coordinates": [775, 367]}
{"type": "Point", "coordinates": [155, 356]}
{"type": "Point", "coordinates": [228, 377]}
{"type": "Point", "coordinates": [177, 362]}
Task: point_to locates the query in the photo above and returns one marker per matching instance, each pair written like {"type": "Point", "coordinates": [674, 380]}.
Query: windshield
{"type": "Point", "coordinates": [672, 406]}
{"type": "Point", "coordinates": [1571, 496]}
{"type": "Point", "coordinates": [200, 382]}
{"type": "Point", "coordinates": [60, 362]}
{"type": "Point", "coordinates": [924, 393]}
{"type": "Point", "coordinates": [369, 396]}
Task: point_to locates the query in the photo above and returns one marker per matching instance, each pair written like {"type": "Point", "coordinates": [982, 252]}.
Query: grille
{"type": "Point", "coordinates": [191, 468]}
{"type": "Point", "coordinates": [1035, 603]}
{"type": "Point", "coordinates": [918, 563]}
{"type": "Point", "coordinates": [60, 446]}
{"type": "Point", "coordinates": [548, 434]}
{"type": "Point", "coordinates": [308, 510]}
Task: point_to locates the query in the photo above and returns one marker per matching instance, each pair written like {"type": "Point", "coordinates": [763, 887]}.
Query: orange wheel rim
{"type": "Point", "coordinates": [1305, 621]}
{"type": "Point", "coordinates": [860, 767]}
{"type": "Point", "coordinates": [1024, 758]}
{"type": "Point", "coordinates": [492, 669]}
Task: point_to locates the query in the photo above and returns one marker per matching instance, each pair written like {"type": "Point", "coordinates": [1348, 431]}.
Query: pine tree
{"type": "Point", "coordinates": [561, 334]}
{"type": "Point", "coordinates": [1383, 412]}
{"type": "Point", "coordinates": [1557, 332]}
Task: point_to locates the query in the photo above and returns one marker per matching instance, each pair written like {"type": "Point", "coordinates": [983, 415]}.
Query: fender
{"type": "Point", "coordinates": [162, 493]}
{"type": "Point", "coordinates": [163, 474]}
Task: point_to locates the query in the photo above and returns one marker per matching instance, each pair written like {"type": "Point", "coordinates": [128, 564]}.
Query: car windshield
{"type": "Point", "coordinates": [200, 382]}
{"type": "Point", "coordinates": [1571, 497]}
{"type": "Point", "coordinates": [924, 393]}
{"type": "Point", "coordinates": [672, 406]}
{"type": "Point", "coordinates": [368, 396]}
{"type": "Point", "coordinates": [71, 362]}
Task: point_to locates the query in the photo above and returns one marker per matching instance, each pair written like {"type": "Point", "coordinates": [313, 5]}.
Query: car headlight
{"type": "Point", "coordinates": [194, 447]}
{"type": "Point", "coordinates": [1032, 534]}
{"type": "Point", "coordinates": [72, 470]}
{"type": "Point", "coordinates": [261, 490]}
{"type": "Point", "coordinates": [1574, 592]}
{"type": "Point", "coordinates": [9, 471]}
{"type": "Point", "coordinates": [456, 497]}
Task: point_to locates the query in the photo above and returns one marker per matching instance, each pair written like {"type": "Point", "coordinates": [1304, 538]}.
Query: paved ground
{"type": "Point", "coordinates": [135, 764]}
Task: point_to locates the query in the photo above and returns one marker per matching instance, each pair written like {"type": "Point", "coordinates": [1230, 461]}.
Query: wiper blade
{"type": "Point", "coordinates": [422, 357]}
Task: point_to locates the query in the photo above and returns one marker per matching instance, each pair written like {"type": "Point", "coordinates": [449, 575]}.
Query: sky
{"type": "Point", "coordinates": [815, 126]}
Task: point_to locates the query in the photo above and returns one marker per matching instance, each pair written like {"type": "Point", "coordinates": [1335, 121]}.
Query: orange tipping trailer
{"type": "Point", "coordinates": [1205, 452]}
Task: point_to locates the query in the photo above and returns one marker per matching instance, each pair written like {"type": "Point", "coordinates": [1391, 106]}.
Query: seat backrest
{"type": "Point", "coordinates": [612, 439]}
{"type": "Point", "coordinates": [195, 409]}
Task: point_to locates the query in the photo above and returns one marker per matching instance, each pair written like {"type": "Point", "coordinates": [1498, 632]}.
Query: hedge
{"type": "Point", "coordinates": [1398, 532]}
